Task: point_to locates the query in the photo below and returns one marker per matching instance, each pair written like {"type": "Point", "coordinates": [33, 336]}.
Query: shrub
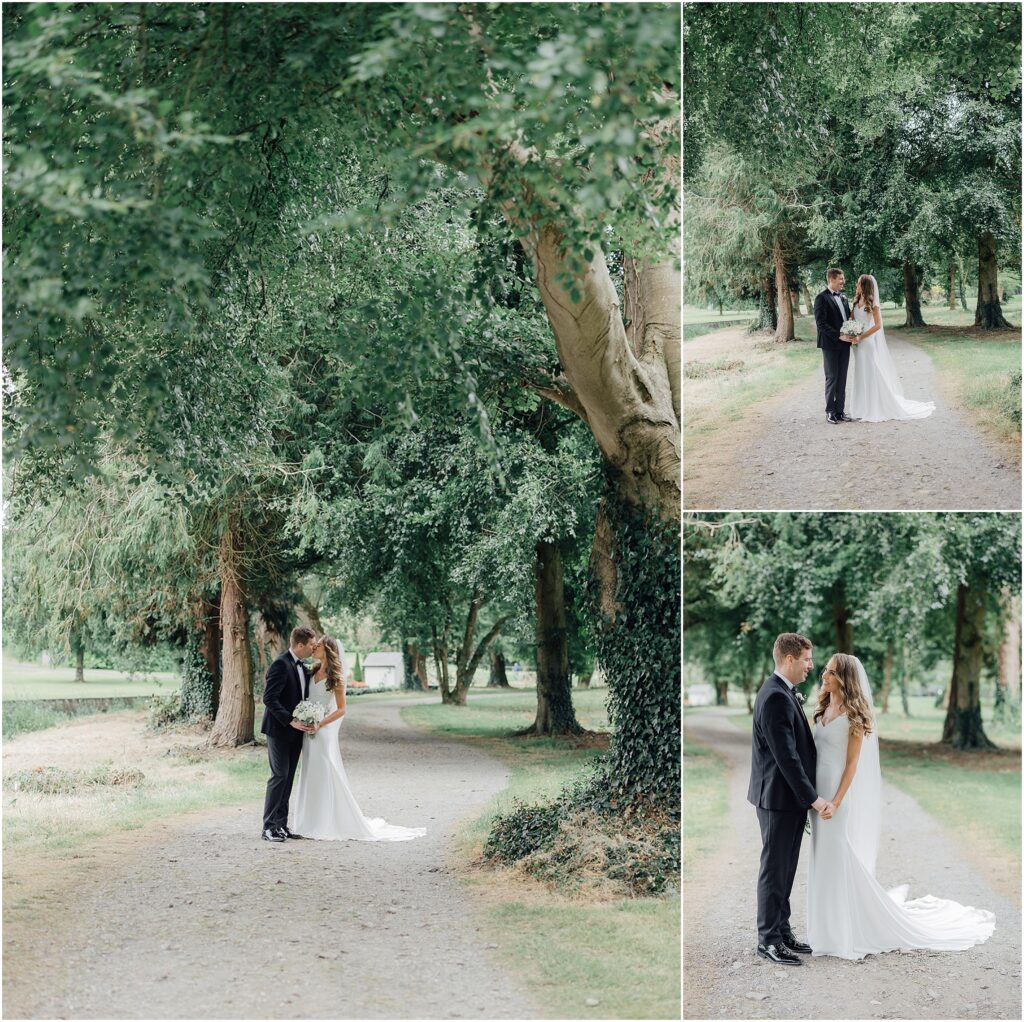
{"type": "Point", "coordinates": [165, 710]}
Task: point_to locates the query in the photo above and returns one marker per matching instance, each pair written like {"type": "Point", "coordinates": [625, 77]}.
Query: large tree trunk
{"type": "Point", "coordinates": [886, 678]}
{"type": "Point", "coordinates": [962, 728]}
{"type": "Point", "coordinates": [309, 615]}
{"type": "Point", "coordinates": [721, 693]}
{"type": "Point", "coordinates": [441, 663]}
{"type": "Point", "coordinates": [211, 645]}
{"type": "Point", "coordinates": [988, 313]}
{"type": "Point", "coordinates": [79, 661]}
{"type": "Point", "coordinates": [767, 308]}
{"type": "Point", "coordinates": [1009, 656]}
{"type": "Point", "coordinates": [912, 296]}
{"type": "Point", "coordinates": [784, 297]}
{"type": "Point", "coordinates": [624, 386]}
{"type": "Point", "coordinates": [808, 301]}
{"type": "Point", "coordinates": [841, 621]}
{"type": "Point", "coordinates": [467, 661]}
{"type": "Point", "coordinates": [498, 678]}
{"type": "Point", "coordinates": [236, 712]}
{"type": "Point", "coordinates": [952, 285]}
{"type": "Point", "coordinates": [415, 668]}
{"type": "Point", "coordinates": [795, 301]}
{"type": "Point", "coordinates": [555, 714]}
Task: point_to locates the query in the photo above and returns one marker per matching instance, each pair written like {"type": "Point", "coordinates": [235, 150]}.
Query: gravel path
{"type": "Point", "coordinates": [785, 456]}
{"type": "Point", "coordinates": [201, 919]}
{"type": "Point", "coordinates": [724, 978]}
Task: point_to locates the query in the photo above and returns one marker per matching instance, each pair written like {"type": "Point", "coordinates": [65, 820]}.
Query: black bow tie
{"type": "Point", "coordinates": [838, 294]}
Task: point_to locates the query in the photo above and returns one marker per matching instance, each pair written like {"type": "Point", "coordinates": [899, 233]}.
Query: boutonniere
{"type": "Point", "coordinates": [800, 697]}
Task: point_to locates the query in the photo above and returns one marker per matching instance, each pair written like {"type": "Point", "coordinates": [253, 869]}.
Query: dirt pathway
{"type": "Point", "coordinates": [724, 978]}
{"type": "Point", "coordinates": [942, 462]}
{"type": "Point", "coordinates": [201, 919]}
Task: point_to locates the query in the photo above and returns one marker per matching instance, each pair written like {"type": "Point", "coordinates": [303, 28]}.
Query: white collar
{"type": "Point", "coordinates": [788, 683]}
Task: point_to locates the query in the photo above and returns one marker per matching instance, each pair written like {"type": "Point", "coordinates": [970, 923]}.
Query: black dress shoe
{"type": "Point", "coordinates": [288, 834]}
{"type": "Point", "coordinates": [273, 835]}
{"type": "Point", "coordinates": [778, 953]}
{"type": "Point", "coordinates": [845, 418]}
{"type": "Point", "coordinates": [795, 945]}
{"type": "Point", "coordinates": [834, 419]}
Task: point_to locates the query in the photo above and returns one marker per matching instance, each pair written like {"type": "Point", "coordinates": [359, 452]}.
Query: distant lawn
{"type": "Point", "coordinates": [705, 803]}
{"type": "Point", "coordinates": [30, 681]}
{"type": "Point", "coordinates": [623, 954]}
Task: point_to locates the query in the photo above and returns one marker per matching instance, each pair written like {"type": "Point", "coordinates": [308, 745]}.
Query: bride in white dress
{"type": "Point", "coordinates": [877, 394]}
{"type": "Point", "coordinates": [849, 914]}
{"type": "Point", "coordinates": [325, 808]}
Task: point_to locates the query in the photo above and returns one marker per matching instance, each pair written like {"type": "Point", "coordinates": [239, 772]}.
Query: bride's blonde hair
{"type": "Point", "coordinates": [858, 713]}
{"type": "Point", "coordinates": [865, 292]}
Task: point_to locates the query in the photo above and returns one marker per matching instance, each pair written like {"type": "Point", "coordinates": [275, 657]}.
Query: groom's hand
{"type": "Point", "coordinates": [827, 812]}
{"type": "Point", "coordinates": [299, 726]}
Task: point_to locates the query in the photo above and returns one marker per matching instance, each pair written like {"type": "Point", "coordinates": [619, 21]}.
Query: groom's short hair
{"type": "Point", "coordinates": [302, 634]}
{"type": "Point", "coordinates": [789, 644]}
{"type": "Point", "coordinates": [830, 274]}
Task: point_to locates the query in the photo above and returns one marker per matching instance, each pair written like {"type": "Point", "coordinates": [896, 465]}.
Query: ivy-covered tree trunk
{"type": "Point", "coordinates": [635, 567]}
{"type": "Point", "coordinates": [913, 296]}
{"type": "Point", "coordinates": [963, 728]}
{"type": "Point", "coordinates": [784, 297]}
{"type": "Point", "coordinates": [767, 309]}
{"type": "Point", "coordinates": [211, 647]}
{"type": "Point", "coordinates": [415, 668]}
{"type": "Point", "coordinates": [988, 313]}
{"type": "Point", "coordinates": [555, 714]}
{"type": "Point", "coordinates": [236, 712]}
{"type": "Point", "coordinates": [498, 678]}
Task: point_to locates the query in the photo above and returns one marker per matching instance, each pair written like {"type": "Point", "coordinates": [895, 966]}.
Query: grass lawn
{"type": "Point", "coordinates": [624, 954]}
{"type": "Point", "coordinates": [30, 681]}
{"type": "Point", "coordinates": [705, 803]}
{"type": "Point", "coordinates": [695, 314]}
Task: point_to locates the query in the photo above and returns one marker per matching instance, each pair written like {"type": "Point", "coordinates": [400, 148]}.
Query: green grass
{"type": "Point", "coordinates": [695, 314]}
{"type": "Point", "coordinates": [623, 953]}
{"type": "Point", "coordinates": [982, 806]}
{"type": "Point", "coordinates": [23, 717]}
{"type": "Point", "coordinates": [705, 803]}
{"type": "Point", "coordinates": [734, 393]}
{"type": "Point", "coordinates": [42, 824]}
{"type": "Point", "coordinates": [30, 681]}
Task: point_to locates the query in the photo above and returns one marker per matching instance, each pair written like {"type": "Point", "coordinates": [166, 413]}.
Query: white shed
{"type": "Point", "coordinates": [701, 695]}
{"type": "Point", "coordinates": [384, 670]}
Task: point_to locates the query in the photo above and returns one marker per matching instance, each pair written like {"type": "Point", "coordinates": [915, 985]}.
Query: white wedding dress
{"type": "Point", "coordinates": [849, 914]}
{"type": "Point", "coordinates": [325, 808]}
{"type": "Point", "coordinates": [876, 393]}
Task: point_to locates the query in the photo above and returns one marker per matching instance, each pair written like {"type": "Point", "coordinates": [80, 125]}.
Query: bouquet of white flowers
{"type": "Point", "coordinates": [851, 328]}
{"type": "Point", "coordinates": [309, 712]}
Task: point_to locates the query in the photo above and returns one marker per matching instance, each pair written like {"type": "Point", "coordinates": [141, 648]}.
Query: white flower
{"type": "Point", "coordinates": [309, 712]}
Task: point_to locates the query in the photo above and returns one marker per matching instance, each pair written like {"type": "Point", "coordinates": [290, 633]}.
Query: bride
{"type": "Point", "coordinates": [325, 808]}
{"type": "Point", "coordinates": [877, 393]}
{"type": "Point", "coordinates": [849, 914]}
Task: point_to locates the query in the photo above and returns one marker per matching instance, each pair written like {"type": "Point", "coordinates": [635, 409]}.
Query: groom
{"type": "Point", "coordinates": [831, 311]}
{"type": "Point", "coordinates": [286, 686]}
{"type": "Point", "coordinates": [782, 768]}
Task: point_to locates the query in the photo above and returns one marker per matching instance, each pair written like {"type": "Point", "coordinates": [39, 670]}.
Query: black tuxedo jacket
{"type": "Point", "coordinates": [281, 694]}
{"type": "Point", "coordinates": [828, 321]}
{"type": "Point", "coordinates": [783, 760]}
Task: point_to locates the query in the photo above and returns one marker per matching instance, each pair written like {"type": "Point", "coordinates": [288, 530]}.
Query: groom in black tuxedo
{"type": "Point", "coordinates": [782, 771]}
{"type": "Point", "coordinates": [831, 311]}
{"type": "Point", "coordinates": [286, 686]}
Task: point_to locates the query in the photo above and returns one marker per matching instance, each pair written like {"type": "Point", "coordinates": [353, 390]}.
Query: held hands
{"type": "Point", "coordinates": [825, 809]}
{"type": "Point", "coordinates": [299, 726]}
